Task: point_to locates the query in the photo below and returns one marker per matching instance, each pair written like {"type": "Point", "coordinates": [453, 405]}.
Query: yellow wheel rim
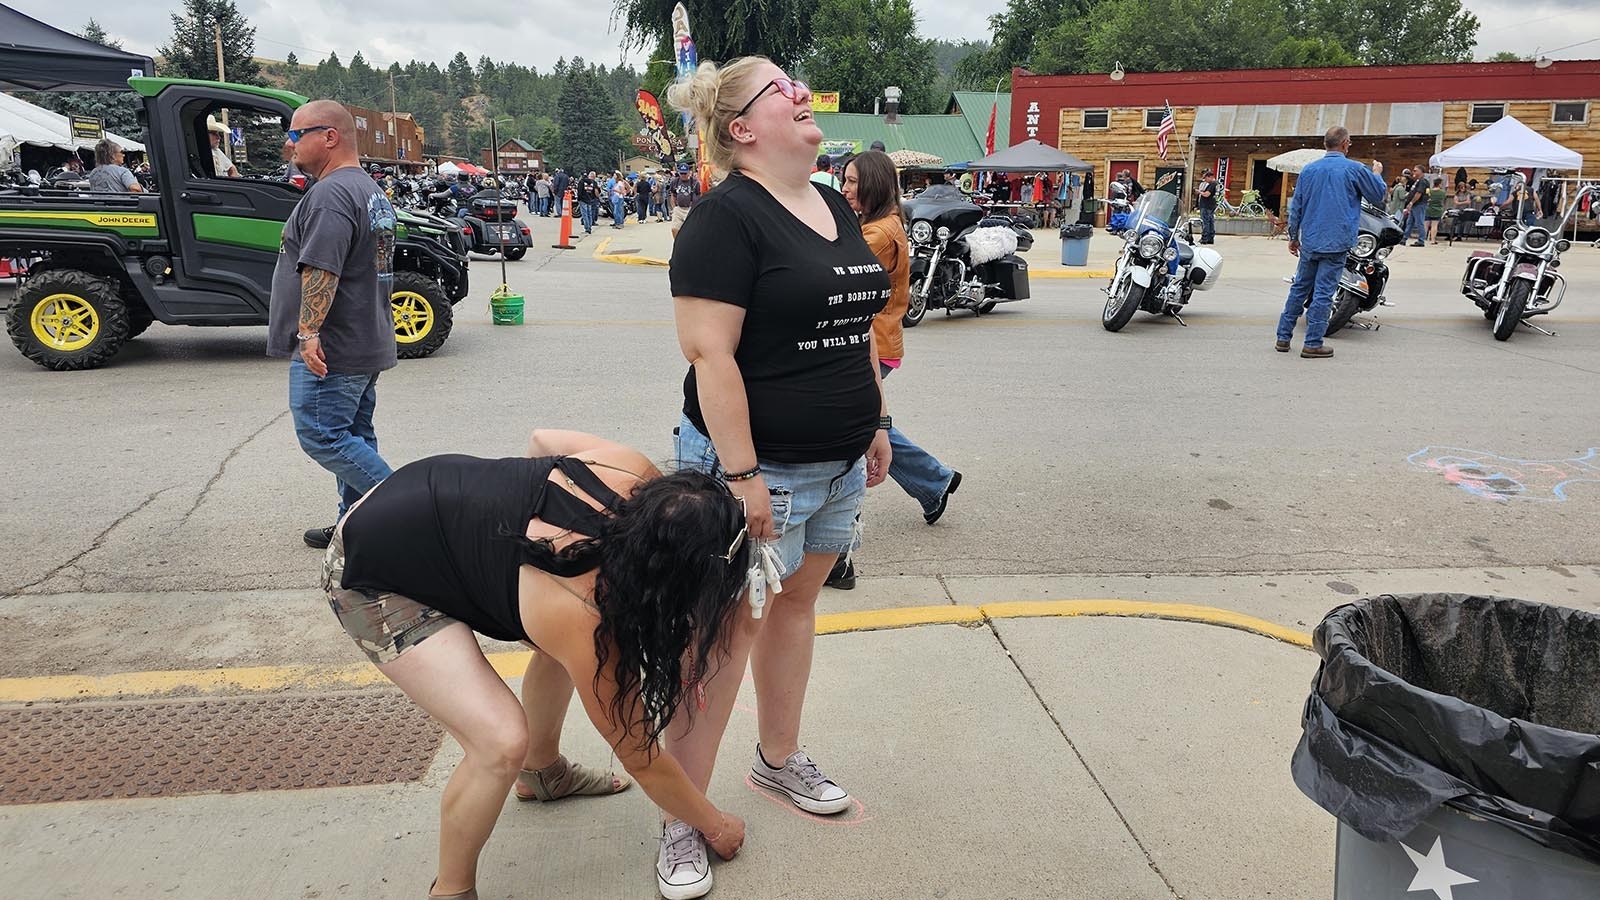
{"type": "Point", "coordinates": [413, 316]}
{"type": "Point", "coordinates": [65, 322]}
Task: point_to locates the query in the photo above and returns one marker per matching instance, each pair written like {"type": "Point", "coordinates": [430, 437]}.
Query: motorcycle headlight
{"type": "Point", "coordinates": [1511, 233]}
{"type": "Point", "coordinates": [1536, 239]}
{"type": "Point", "coordinates": [1170, 254]}
{"type": "Point", "coordinates": [1366, 244]}
{"type": "Point", "coordinates": [1563, 245]}
{"type": "Point", "coordinates": [922, 231]}
{"type": "Point", "coordinates": [944, 233]}
{"type": "Point", "coordinates": [1383, 252]}
{"type": "Point", "coordinates": [1151, 245]}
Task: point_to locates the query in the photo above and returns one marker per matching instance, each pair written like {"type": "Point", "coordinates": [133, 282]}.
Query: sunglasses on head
{"type": "Point", "coordinates": [788, 87]}
{"type": "Point", "coordinates": [744, 531]}
{"type": "Point", "coordinates": [295, 134]}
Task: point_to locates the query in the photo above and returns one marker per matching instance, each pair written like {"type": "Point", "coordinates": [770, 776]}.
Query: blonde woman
{"type": "Point", "coordinates": [774, 294]}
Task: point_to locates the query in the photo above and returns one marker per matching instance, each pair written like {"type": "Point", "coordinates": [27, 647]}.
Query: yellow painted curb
{"type": "Point", "coordinates": [510, 664]}
{"type": "Point", "coordinates": [1068, 273]}
{"type": "Point", "coordinates": [625, 259]}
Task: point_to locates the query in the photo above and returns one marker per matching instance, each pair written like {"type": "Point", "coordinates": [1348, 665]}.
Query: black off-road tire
{"type": "Point", "coordinates": [97, 292]}
{"type": "Point", "coordinates": [421, 289]}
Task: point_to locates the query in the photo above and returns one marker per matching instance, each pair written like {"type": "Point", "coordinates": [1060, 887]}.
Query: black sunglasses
{"type": "Point", "coordinates": [786, 86]}
{"type": "Point", "coordinates": [295, 134]}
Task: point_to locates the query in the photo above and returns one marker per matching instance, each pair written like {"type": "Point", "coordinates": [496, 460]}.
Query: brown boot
{"type": "Point", "coordinates": [1281, 346]}
{"type": "Point", "coordinates": [1316, 352]}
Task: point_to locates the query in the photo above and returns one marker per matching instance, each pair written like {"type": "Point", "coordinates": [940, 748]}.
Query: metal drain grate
{"type": "Point", "coordinates": [231, 745]}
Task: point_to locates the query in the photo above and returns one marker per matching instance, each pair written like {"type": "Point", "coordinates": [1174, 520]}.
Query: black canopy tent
{"type": "Point", "coordinates": [1030, 156]}
{"type": "Point", "coordinates": [36, 57]}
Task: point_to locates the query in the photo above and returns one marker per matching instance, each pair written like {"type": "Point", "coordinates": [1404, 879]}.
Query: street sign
{"type": "Point", "coordinates": [87, 128]}
{"type": "Point", "coordinates": [824, 101]}
{"type": "Point", "coordinates": [238, 134]}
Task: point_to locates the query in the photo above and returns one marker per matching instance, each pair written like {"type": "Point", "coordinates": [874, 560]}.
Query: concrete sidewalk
{"type": "Point", "coordinates": [1017, 758]}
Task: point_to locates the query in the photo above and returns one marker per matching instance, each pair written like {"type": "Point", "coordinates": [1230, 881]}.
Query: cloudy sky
{"type": "Point", "coordinates": [555, 28]}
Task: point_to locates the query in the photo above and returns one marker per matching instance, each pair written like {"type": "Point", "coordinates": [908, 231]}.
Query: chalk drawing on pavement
{"type": "Point", "coordinates": [1504, 478]}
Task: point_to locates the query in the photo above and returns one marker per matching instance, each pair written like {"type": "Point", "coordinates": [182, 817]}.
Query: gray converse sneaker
{"type": "Point", "coordinates": [683, 871]}
{"type": "Point", "coordinates": [802, 783]}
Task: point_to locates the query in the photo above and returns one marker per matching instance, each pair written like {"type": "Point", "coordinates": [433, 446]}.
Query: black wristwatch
{"type": "Point", "coordinates": [885, 423]}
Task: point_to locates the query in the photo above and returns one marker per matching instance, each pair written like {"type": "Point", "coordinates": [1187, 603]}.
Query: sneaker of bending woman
{"type": "Point", "coordinates": [623, 580]}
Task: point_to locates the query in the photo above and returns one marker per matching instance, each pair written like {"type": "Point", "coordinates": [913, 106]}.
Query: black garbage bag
{"type": "Point", "coordinates": [1489, 704]}
{"type": "Point", "coordinates": [1076, 232]}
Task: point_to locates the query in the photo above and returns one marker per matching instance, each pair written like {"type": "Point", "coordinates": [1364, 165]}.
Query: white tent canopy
{"type": "Point", "coordinates": [1509, 143]}
{"type": "Point", "coordinates": [1295, 160]}
{"type": "Point", "coordinates": [23, 123]}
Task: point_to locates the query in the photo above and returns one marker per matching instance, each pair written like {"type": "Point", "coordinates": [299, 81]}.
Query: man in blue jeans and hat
{"type": "Point", "coordinates": [1324, 219]}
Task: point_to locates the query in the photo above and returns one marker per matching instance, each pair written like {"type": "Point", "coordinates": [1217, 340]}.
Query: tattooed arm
{"type": "Point", "coordinates": [317, 287]}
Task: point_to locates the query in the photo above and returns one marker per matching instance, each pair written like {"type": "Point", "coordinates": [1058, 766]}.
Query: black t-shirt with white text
{"type": "Point", "coordinates": [805, 350]}
{"type": "Point", "coordinates": [588, 190]}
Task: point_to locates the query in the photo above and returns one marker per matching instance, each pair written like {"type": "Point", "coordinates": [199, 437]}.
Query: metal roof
{"type": "Point", "coordinates": [947, 137]}
{"type": "Point", "coordinates": [974, 106]}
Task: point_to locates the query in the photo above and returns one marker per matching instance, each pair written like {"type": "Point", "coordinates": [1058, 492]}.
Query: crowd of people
{"type": "Point", "coordinates": [1418, 197]}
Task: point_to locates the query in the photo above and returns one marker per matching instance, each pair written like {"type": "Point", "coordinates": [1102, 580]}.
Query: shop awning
{"type": "Point", "coordinates": [1508, 142]}
{"type": "Point", "coordinates": [37, 57]}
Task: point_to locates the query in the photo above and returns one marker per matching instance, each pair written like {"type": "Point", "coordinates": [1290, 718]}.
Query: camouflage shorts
{"type": "Point", "coordinates": [383, 624]}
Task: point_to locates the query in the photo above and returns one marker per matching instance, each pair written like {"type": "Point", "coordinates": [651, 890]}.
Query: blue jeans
{"type": "Point", "coordinates": [617, 215]}
{"type": "Point", "coordinates": [333, 420]}
{"type": "Point", "coordinates": [1317, 277]}
{"type": "Point", "coordinates": [816, 507]}
{"type": "Point", "coordinates": [1208, 224]}
{"type": "Point", "coordinates": [1417, 219]}
{"type": "Point", "coordinates": [589, 210]}
{"type": "Point", "coordinates": [918, 472]}
{"type": "Point", "coordinates": [543, 206]}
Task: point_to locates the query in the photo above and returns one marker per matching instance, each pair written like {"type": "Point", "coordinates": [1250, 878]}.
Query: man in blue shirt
{"type": "Point", "coordinates": [1324, 219]}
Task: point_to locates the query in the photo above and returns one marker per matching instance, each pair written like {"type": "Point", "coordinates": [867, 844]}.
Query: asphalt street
{"type": "Point", "coordinates": [154, 508]}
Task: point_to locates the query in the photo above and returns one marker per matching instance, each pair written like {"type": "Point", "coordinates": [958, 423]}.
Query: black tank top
{"type": "Point", "coordinates": [450, 532]}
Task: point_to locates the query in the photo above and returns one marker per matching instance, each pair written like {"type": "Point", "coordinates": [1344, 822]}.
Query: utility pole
{"type": "Point", "coordinates": [392, 109]}
{"type": "Point", "coordinates": [216, 29]}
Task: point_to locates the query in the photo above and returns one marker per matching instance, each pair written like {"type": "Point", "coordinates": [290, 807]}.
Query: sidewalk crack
{"type": "Point", "coordinates": [1127, 826]}
{"type": "Point", "coordinates": [944, 586]}
{"type": "Point", "coordinates": [99, 540]}
{"type": "Point", "coordinates": [222, 468]}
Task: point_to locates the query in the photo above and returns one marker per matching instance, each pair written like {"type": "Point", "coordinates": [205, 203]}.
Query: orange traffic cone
{"type": "Point", "coordinates": [564, 214]}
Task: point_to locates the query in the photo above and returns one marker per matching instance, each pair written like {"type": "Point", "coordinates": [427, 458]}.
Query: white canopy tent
{"type": "Point", "coordinates": [1510, 143]}
{"type": "Point", "coordinates": [23, 123]}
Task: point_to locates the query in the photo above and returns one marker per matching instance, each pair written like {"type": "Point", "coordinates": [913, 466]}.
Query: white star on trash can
{"type": "Point", "coordinates": [1433, 874]}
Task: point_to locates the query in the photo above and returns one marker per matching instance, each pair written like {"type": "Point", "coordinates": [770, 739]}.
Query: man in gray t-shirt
{"type": "Point", "coordinates": [330, 314]}
{"type": "Point", "coordinates": [109, 175]}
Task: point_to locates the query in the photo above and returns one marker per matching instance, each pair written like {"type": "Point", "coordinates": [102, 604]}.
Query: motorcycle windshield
{"type": "Point", "coordinates": [1156, 208]}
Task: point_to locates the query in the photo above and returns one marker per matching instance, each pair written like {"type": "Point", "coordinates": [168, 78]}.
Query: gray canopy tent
{"type": "Point", "coordinates": [37, 57]}
{"type": "Point", "coordinates": [1030, 156]}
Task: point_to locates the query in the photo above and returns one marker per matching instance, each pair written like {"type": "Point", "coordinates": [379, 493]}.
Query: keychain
{"type": "Point", "coordinates": [763, 576]}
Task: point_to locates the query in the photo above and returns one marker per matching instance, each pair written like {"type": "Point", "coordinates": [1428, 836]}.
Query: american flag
{"type": "Point", "coordinates": [1168, 126]}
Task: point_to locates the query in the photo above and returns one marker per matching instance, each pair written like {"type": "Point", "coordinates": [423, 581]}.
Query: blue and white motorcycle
{"type": "Point", "coordinates": [1160, 267]}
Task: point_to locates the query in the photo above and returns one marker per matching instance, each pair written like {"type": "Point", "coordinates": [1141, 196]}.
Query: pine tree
{"type": "Point", "coordinates": [461, 77]}
{"type": "Point", "coordinates": [192, 51]}
{"type": "Point", "coordinates": [588, 122]}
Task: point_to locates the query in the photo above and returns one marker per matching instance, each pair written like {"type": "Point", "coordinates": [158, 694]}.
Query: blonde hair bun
{"type": "Point", "coordinates": [697, 96]}
{"type": "Point", "coordinates": [712, 97]}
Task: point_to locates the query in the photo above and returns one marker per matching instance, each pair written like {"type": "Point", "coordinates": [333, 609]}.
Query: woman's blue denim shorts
{"type": "Point", "coordinates": [816, 507]}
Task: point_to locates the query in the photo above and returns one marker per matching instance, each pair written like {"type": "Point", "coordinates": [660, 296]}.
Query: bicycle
{"type": "Point", "coordinates": [1249, 206]}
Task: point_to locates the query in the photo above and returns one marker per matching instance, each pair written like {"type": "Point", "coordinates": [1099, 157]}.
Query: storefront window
{"type": "Point", "coordinates": [1487, 113]}
{"type": "Point", "coordinates": [1096, 118]}
{"type": "Point", "coordinates": [1575, 113]}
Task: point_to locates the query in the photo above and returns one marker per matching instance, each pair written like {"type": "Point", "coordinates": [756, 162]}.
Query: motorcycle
{"type": "Point", "coordinates": [960, 258]}
{"type": "Point", "coordinates": [1519, 281]}
{"type": "Point", "coordinates": [1160, 266]}
{"type": "Point", "coordinates": [1365, 273]}
{"type": "Point", "coordinates": [492, 222]}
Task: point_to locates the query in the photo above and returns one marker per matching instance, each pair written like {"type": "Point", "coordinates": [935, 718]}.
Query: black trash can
{"type": "Point", "coordinates": [1075, 244]}
{"type": "Point", "coordinates": [1457, 740]}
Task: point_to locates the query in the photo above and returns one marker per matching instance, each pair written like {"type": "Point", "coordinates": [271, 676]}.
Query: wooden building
{"type": "Point", "coordinates": [391, 139]}
{"type": "Point", "coordinates": [516, 155]}
{"type": "Point", "coordinates": [1398, 115]}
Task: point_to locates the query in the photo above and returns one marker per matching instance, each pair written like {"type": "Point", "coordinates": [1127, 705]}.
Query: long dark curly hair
{"type": "Point", "coordinates": [664, 588]}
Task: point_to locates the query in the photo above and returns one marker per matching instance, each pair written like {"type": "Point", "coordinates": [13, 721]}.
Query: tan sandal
{"type": "Point", "coordinates": [566, 779]}
{"type": "Point", "coordinates": [468, 894]}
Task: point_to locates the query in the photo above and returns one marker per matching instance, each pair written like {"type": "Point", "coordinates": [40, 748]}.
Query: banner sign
{"type": "Point", "coordinates": [87, 128]}
{"type": "Point", "coordinates": [839, 148]}
{"type": "Point", "coordinates": [687, 58]}
{"type": "Point", "coordinates": [1222, 173]}
{"type": "Point", "coordinates": [655, 127]}
{"type": "Point", "coordinates": [824, 101]}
